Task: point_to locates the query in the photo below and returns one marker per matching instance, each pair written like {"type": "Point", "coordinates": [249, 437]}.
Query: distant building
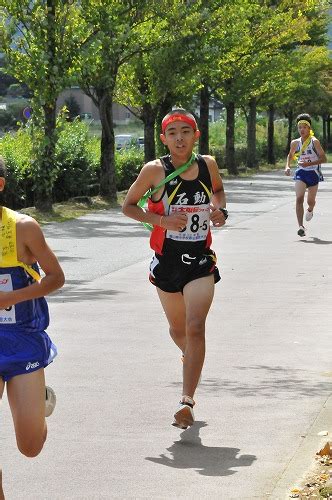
{"type": "Point", "coordinates": [215, 109]}
{"type": "Point", "coordinates": [88, 110]}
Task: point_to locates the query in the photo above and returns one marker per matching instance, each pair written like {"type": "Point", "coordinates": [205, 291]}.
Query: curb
{"type": "Point", "coordinates": [304, 457]}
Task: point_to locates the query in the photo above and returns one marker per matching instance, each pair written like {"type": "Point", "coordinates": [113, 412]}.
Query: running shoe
{"type": "Point", "coordinates": [50, 401]}
{"type": "Point", "coordinates": [301, 231]}
{"type": "Point", "coordinates": [184, 415]}
{"type": "Point", "coordinates": [309, 215]}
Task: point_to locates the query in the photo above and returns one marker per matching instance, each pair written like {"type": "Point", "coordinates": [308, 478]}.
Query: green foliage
{"type": "Point", "coordinates": [76, 161]}
{"type": "Point", "coordinates": [76, 167]}
{"type": "Point", "coordinates": [41, 41]}
{"type": "Point", "coordinates": [217, 139]}
{"type": "Point", "coordinates": [73, 107]}
{"type": "Point", "coordinates": [128, 165]}
{"type": "Point", "coordinates": [5, 80]}
{"type": "Point", "coordinates": [11, 117]}
{"type": "Point", "coordinates": [7, 120]}
{"type": "Point", "coordinates": [164, 52]}
{"type": "Point", "coordinates": [17, 151]}
{"type": "Point", "coordinates": [15, 90]}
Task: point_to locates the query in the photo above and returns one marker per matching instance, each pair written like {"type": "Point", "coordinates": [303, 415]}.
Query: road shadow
{"type": "Point", "coordinates": [101, 227]}
{"type": "Point", "coordinates": [317, 241]}
{"type": "Point", "coordinates": [78, 291]}
{"type": "Point", "coordinates": [275, 382]}
{"type": "Point", "coordinates": [190, 453]}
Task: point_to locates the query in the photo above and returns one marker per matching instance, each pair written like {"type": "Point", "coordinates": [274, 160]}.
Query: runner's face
{"type": "Point", "coordinates": [180, 138]}
{"type": "Point", "coordinates": [304, 130]}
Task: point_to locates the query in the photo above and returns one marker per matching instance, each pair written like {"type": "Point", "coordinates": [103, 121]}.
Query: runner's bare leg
{"type": "Point", "coordinates": [26, 397]}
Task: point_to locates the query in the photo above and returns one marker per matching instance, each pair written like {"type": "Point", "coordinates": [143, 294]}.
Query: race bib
{"type": "Point", "coordinates": [198, 223]}
{"type": "Point", "coordinates": [7, 316]}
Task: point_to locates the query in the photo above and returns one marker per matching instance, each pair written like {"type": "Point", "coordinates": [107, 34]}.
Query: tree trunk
{"type": "Point", "coordinates": [329, 131]}
{"type": "Point", "coordinates": [270, 136]}
{"type": "Point", "coordinates": [149, 119]}
{"type": "Point", "coordinates": [289, 115]}
{"type": "Point", "coordinates": [251, 135]}
{"type": "Point", "coordinates": [230, 139]}
{"type": "Point", "coordinates": [164, 107]}
{"type": "Point", "coordinates": [107, 157]}
{"type": "Point", "coordinates": [324, 141]}
{"type": "Point", "coordinates": [45, 176]}
{"type": "Point", "coordinates": [204, 120]}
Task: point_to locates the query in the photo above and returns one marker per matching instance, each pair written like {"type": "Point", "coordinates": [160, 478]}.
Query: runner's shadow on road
{"type": "Point", "coordinates": [190, 453]}
{"type": "Point", "coordinates": [317, 241]}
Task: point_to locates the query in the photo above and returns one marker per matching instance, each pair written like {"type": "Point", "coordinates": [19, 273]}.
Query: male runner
{"type": "Point", "coordinates": [25, 347]}
{"type": "Point", "coordinates": [183, 268]}
{"type": "Point", "coordinates": [310, 155]}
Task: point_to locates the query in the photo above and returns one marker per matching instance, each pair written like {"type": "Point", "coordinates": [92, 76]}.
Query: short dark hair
{"type": "Point", "coordinates": [303, 116]}
{"type": "Point", "coordinates": [3, 168]}
{"type": "Point", "coordinates": [179, 111]}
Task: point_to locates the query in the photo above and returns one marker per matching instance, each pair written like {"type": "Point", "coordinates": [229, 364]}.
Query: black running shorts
{"type": "Point", "coordinates": [178, 266]}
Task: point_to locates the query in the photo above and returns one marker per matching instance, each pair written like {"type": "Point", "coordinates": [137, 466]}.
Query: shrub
{"type": "Point", "coordinates": [16, 148]}
{"type": "Point", "coordinates": [7, 120]}
{"type": "Point", "coordinates": [77, 161]}
{"type": "Point", "coordinates": [128, 165]}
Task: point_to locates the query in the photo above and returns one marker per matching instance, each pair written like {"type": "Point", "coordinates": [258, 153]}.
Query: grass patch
{"type": "Point", "coordinates": [70, 209]}
{"type": "Point", "coordinates": [249, 172]}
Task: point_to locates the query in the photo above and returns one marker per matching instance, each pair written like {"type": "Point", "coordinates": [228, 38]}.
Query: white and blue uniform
{"type": "Point", "coordinates": [24, 344]}
{"type": "Point", "coordinates": [311, 176]}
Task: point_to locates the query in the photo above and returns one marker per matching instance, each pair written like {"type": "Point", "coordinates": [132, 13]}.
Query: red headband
{"type": "Point", "coordinates": [178, 118]}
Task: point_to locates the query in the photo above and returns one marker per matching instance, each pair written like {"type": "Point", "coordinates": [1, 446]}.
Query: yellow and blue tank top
{"type": "Point", "coordinates": [28, 316]}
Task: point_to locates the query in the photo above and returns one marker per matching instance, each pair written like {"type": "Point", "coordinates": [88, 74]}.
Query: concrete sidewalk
{"type": "Point", "coordinates": [266, 382]}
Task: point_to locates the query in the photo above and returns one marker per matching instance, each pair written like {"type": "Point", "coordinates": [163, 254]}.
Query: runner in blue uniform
{"type": "Point", "coordinates": [309, 154]}
{"type": "Point", "coordinates": [25, 347]}
{"type": "Point", "coordinates": [183, 268]}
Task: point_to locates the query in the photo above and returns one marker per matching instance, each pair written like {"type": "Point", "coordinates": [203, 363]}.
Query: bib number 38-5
{"type": "Point", "coordinates": [197, 225]}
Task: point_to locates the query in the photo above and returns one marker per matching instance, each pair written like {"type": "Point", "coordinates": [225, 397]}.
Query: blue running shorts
{"type": "Point", "coordinates": [24, 352]}
{"type": "Point", "coordinates": [309, 177]}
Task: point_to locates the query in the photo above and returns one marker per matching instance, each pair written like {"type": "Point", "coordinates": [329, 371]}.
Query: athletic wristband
{"type": "Point", "coordinates": [225, 212]}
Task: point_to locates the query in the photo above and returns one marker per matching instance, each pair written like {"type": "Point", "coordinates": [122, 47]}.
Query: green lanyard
{"type": "Point", "coordinates": [148, 194]}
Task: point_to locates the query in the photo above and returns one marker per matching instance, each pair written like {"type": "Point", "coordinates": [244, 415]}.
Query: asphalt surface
{"type": "Point", "coordinates": [266, 385]}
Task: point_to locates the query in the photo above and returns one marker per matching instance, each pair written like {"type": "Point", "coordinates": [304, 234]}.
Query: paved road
{"type": "Point", "coordinates": [266, 383]}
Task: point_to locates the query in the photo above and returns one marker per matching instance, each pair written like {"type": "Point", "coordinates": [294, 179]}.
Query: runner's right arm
{"type": "Point", "coordinates": [290, 156]}
{"type": "Point", "coordinates": [149, 177]}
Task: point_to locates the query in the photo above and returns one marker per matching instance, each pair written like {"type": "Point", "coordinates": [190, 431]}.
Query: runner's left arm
{"type": "Point", "coordinates": [218, 199]}
{"type": "Point", "coordinates": [320, 153]}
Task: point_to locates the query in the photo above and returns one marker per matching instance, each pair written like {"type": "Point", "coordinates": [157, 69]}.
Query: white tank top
{"type": "Point", "coordinates": [308, 155]}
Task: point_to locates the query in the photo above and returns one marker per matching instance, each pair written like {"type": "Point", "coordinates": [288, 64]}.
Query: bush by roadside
{"type": "Point", "coordinates": [77, 160]}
